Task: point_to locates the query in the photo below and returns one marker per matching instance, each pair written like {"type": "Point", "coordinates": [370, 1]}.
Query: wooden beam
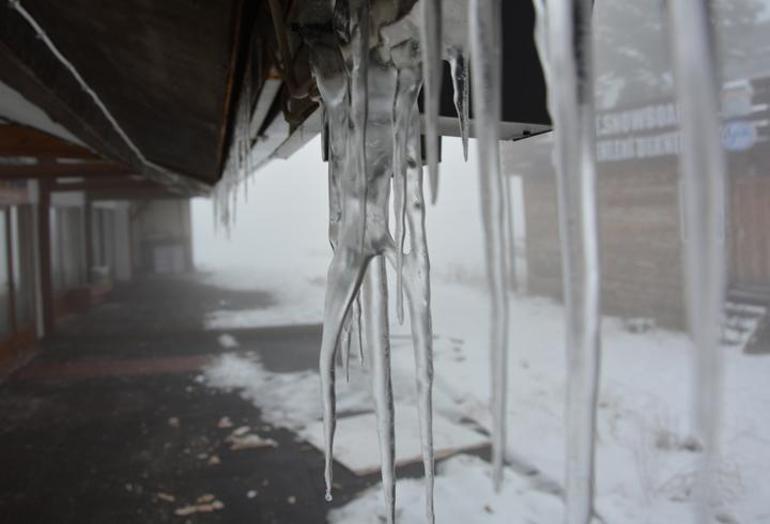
{"type": "Point", "coordinates": [108, 184]}
{"type": "Point", "coordinates": [136, 193]}
{"type": "Point", "coordinates": [18, 140]}
{"type": "Point", "coordinates": [53, 170]}
{"type": "Point", "coordinates": [98, 182]}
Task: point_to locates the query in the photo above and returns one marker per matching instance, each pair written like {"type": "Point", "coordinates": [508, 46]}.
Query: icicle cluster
{"type": "Point", "coordinates": [238, 162]}
{"type": "Point", "coordinates": [369, 91]}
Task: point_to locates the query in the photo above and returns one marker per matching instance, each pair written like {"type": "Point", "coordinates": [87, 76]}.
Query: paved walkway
{"type": "Point", "coordinates": [107, 425]}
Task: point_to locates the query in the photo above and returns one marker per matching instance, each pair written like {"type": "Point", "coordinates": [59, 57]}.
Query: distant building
{"type": "Point", "coordinates": [640, 205]}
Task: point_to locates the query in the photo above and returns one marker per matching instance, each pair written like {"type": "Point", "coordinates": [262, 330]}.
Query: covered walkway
{"type": "Point", "coordinates": [109, 424]}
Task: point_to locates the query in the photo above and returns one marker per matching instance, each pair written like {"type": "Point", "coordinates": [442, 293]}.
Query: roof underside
{"type": "Point", "coordinates": [163, 69]}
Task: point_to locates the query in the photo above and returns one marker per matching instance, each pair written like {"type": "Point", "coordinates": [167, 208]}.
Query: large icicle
{"type": "Point", "coordinates": [703, 175]}
{"type": "Point", "coordinates": [564, 38]}
{"type": "Point", "coordinates": [458, 64]}
{"type": "Point", "coordinates": [392, 81]}
{"type": "Point", "coordinates": [363, 230]}
{"type": "Point", "coordinates": [430, 38]}
{"type": "Point", "coordinates": [485, 38]}
{"type": "Point", "coordinates": [346, 222]}
{"type": "Point", "coordinates": [375, 298]}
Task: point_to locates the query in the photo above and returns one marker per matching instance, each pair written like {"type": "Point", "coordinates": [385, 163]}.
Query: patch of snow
{"type": "Point", "coordinates": [287, 400]}
{"type": "Point", "coordinates": [298, 296]}
{"type": "Point", "coordinates": [227, 341]}
{"type": "Point", "coordinates": [463, 494]}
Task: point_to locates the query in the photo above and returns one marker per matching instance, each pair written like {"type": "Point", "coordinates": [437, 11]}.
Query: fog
{"type": "Point", "coordinates": [283, 222]}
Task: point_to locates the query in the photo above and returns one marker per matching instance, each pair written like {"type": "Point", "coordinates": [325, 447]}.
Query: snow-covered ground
{"type": "Point", "coordinates": [645, 458]}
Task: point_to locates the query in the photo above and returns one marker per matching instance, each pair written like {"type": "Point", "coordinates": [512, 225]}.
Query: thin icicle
{"type": "Point", "coordinates": [358, 328]}
{"type": "Point", "coordinates": [375, 294]}
{"type": "Point", "coordinates": [399, 190]}
{"type": "Point", "coordinates": [430, 39]}
{"type": "Point", "coordinates": [485, 38]}
{"type": "Point", "coordinates": [509, 232]}
{"type": "Point", "coordinates": [359, 98]}
{"type": "Point", "coordinates": [417, 271]}
{"type": "Point", "coordinates": [345, 342]}
{"type": "Point", "coordinates": [702, 166]}
{"type": "Point", "coordinates": [458, 64]}
{"type": "Point", "coordinates": [407, 90]}
{"type": "Point", "coordinates": [564, 37]}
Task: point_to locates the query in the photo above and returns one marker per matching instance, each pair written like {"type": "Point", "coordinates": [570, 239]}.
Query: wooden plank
{"type": "Point", "coordinates": [18, 140]}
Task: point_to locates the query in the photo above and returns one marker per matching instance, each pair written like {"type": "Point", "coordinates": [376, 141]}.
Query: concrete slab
{"type": "Point", "coordinates": [356, 443]}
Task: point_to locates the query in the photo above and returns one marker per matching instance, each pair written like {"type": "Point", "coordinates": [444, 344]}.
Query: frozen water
{"type": "Point", "coordinates": [430, 38]}
{"type": "Point", "coordinates": [369, 94]}
{"type": "Point", "coordinates": [564, 38]}
{"type": "Point", "coordinates": [485, 37]}
{"type": "Point", "coordinates": [703, 180]}
{"type": "Point", "coordinates": [458, 63]}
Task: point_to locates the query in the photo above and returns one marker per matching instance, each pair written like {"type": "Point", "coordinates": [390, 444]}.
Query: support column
{"type": "Point", "coordinates": [9, 247]}
{"type": "Point", "coordinates": [44, 252]}
{"type": "Point", "coordinates": [88, 232]}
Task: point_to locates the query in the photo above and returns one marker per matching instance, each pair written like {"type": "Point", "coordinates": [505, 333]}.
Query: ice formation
{"type": "Point", "coordinates": [485, 37]}
{"type": "Point", "coordinates": [458, 63]}
{"type": "Point", "coordinates": [431, 42]}
{"type": "Point", "coordinates": [369, 71]}
{"type": "Point", "coordinates": [703, 175]}
{"type": "Point", "coordinates": [369, 92]}
{"type": "Point", "coordinates": [563, 35]}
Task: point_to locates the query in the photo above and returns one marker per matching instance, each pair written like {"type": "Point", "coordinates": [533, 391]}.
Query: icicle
{"type": "Point", "coordinates": [458, 64]}
{"type": "Point", "coordinates": [485, 16]}
{"type": "Point", "coordinates": [329, 70]}
{"type": "Point", "coordinates": [407, 89]}
{"type": "Point", "coordinates": [564, 37]}
{"type": "Point", "coordinates": [359, 98]}
{"type": "Point", "coordinates": [346, 340]}
{"type": "Point", "coordinates": [430, 39]}
{"type": "Point", "coordinates": [375, 294]}
{"type": "Point", "coordinates": [704, 182]}
{"type": "Point", "coordinates": [509, 233]}
{"type": "Point", "coordinates": [417, 271]}
{"type": "Point", "coordinates": [351, 256]}
{"type": "Point", "coordinates": [392, 80]}
{"type": "Point", "coordinates": [399, 189]}
{"type": "Point", "coordinates": [358, 328]}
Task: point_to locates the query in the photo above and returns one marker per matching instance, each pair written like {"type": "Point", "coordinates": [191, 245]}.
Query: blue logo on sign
{"type": "Point", "coordinates": [739, 136]}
